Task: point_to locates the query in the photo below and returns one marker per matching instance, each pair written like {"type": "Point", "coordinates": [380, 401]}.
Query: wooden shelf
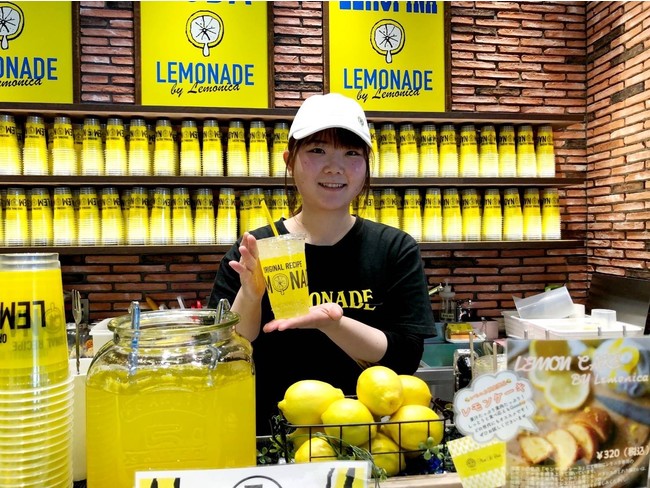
{"type": "Point", "coordinates": [219, 249]}
{"type": "Point", "coordinates": [80, 110]}
{"type": "Point", "coordinates": [250, 181]}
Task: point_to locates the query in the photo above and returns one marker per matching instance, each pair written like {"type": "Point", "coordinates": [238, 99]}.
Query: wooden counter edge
{"type": "Point", "coordinates": [446, 480]}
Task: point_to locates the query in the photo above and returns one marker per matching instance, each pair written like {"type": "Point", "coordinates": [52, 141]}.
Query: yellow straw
{"type": "Point", "coordinates": [269, 218]}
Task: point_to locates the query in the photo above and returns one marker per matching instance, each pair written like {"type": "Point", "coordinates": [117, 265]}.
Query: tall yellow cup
{"type": "Point", "coordinates": [16, 219]}
{"type": "Point", "coordinates": [33, 339]}
{"type": "Point", "coordinates": [285, 273]}
{"type": "Point", "coordinates": [40, 220]}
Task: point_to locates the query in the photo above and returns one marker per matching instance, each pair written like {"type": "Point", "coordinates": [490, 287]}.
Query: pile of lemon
{"type": "Point", "coordinates": [390, 416]}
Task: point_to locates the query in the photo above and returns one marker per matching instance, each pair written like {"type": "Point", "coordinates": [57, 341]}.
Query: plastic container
{"type": "Point", "coordinates": [552, 304]}
{"type": "Point", "coordinates": [177, 392]}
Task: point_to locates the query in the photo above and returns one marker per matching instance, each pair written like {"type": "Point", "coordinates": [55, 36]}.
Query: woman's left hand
{"type": "Point", "coordinates": [319, 317]}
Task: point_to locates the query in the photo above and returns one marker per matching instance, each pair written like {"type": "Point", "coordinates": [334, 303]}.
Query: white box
{"type": "Point", "coordinates": [100, 334]}
{"type": "Point", "coordinates": [569, 328]}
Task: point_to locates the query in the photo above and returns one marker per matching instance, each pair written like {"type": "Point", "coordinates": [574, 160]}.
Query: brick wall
{"type": "Point", "coordinates": [526, 57]}
{"type": "Point", "coordinates": [618, 138]}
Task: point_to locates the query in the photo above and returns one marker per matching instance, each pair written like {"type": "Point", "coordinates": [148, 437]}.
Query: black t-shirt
{"type": "Point", "coordinates": [375, 273]}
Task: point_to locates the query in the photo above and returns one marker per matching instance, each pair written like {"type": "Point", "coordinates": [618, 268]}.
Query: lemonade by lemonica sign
{"type": "Point", "coordinates": [204, 54]}
{"type": "Point", "coordinates": [36, 52]}
{"type": "Point", "coordinates": [390, 56]}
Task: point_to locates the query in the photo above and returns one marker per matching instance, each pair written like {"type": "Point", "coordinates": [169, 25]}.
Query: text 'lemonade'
{"type": "Point", "coordinates": [285, 273]}
{"type": "Point", "coordinates": [181, 396]}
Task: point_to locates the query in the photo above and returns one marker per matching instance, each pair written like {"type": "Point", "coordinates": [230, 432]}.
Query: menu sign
{"type": "Point", "coordinates": [36, 44]}
{"type": "Point", "coordinates": [393, 59]}
{"type": "Point", "coordinates": [204, 54]}
{"type": "Point", "coordinates": [581, 416]}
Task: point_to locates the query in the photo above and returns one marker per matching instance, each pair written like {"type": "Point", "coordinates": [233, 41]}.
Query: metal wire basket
{"type": "Point", "coordinates": [427, 458]}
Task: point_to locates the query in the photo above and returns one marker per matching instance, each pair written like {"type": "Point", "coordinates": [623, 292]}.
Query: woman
{"type": "Point", "coordinates": [381, 312]}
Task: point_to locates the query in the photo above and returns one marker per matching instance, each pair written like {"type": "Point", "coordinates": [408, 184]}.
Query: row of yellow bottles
{"type": "Point", "coordinates": [138, 148]}
{"type": "Point", "coordinates": [466, 215]}
{"type": "Point", "coordinates": [134, 216]}
{"type": "Point", "coordinates": [410, 151]}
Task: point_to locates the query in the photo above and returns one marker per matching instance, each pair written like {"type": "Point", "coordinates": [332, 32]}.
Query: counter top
{"type": "Point", "coordinates": [446, 480]}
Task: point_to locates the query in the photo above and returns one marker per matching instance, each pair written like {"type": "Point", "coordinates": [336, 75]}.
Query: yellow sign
{"type": "Point", "coordinates": [36, 52]}
{"type": "Point", "coordinates": [204, 54]}
{"type": "Point", "coordinates": [393, 59]}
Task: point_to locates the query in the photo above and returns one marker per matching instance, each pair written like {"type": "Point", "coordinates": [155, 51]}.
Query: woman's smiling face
{"type": "Point", "coordinates": [329, 173]}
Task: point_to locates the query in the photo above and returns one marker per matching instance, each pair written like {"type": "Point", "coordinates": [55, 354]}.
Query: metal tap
{"type": "Point", "coordinates": [436, 289]}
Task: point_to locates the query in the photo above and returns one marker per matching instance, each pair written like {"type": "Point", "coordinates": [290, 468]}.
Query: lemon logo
{"type": "Point", "coordinates": [12, 21]}
{"type": "Point", "coordinates": [204, 30]}
{"type": "Point", "coordinates": [280, 283]}
{"type": "Point", "coordinates": [387, 38]}
{"type": "Point", "coordinates": [53, 319]}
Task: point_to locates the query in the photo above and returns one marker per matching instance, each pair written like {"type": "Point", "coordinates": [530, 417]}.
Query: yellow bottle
{"type": "Point", "coordinates": [164, 159]}
{"type": "Point", "coordinates": [40, 220]}
{"type": "Point", "coordinates": [258, 150]}
{"type": "Point", "coordinates": [471, 214]}
{"type": "Point", "coordinates": [429, 158]}
{"type": "Point", "coordinates": [160, 221]}
{"type": "Point", "coordinates": [507, 152]}
{"type": "Point", "coordinates": [412, 214]}
{"type": "Point", "coordinates": [10, 158]}
{"type": "Point", "coordinates": [551, 221]}
{"type": "Point", "coordinates": [409, 159]}
{"type": "Point", "coordinates": [526, 158]}
{"type": "Point", "coordinates": [64, 157]}
{"type": "Point", "coordinates": [212, 151]}
{"type": "Point", "coordinates": [448, 152]}
{"type": "Point", "coordinates": [492, 221]}
{"type": "Point", "coordinates": [469, 163]}
{"type": "Point", "coordinates": [88, 226]}
{"type": "Point", "coordinates": [545, 151]}
{"type": "Point", "coordinates": [190, 161]}
{"type": "Point", "coordinates": [388, 156]}
{"type": "Point", "coordinates": [237, 158]}
{"type": "Point", "coordinates": [182, 222]}
{"type": "Point", "coordinates": [112, 219]}
{"type": "Point", "coordinates": [64, 223]}
{"type": "Point", "coordinates": [226, 228]}
{"type": "Point", "coordinates": [204, 217]}
{"type": "Point", "coordinates": [116, 154]}
{"type": "Point", "coordinates": [139, 157]}
{"type": "Point", "coordinates": [452, 220]}
{"type": "Point", "coordinates": [35, 154]}
{"type": "Point", "coordinates": [488, 158]}
{"type": "Point", "coordinates": [513, 223]}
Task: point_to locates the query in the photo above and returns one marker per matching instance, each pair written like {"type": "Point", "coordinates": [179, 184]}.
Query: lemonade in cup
{"type": "Point", "coordinates": [284, 267]}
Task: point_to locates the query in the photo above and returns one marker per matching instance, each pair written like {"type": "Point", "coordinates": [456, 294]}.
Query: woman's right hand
{"type": "Point", "coordinates": [248, 268]}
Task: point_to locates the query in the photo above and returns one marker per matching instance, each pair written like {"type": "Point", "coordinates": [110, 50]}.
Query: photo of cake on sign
{"type": "Point", "coordinates": [592, 417]}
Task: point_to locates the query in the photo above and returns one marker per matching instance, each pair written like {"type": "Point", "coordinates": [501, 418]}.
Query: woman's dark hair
{"type": "Point", "coordinates": [340, 138]}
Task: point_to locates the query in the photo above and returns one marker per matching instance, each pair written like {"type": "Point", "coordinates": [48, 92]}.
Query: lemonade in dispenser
{"type": "Point", "coordinates": [176, 390]}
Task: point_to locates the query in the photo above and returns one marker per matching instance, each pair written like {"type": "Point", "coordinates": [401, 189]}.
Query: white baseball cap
{"type": "Point", "coordinates": [328, 111]}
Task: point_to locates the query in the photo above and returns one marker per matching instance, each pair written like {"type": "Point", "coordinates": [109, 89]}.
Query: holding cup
{"type": "Point", "coordinates": [284, 267]}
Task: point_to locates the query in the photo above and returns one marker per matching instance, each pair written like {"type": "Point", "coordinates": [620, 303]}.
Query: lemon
{"type": "Point", "coordinates": [347, 411]}
{"type": "Point", "coordinates": [316, 450]}
{"type": "Point", "coordinates": [386, 454]}
{"type": "Point", "coordinates": [539, 377]}
{"type": "Point", "coordinates": [415, 390]}
{"type": "Point", "coordinates": [548, 348]}
{"type": "Point", "coordinates": [380, 389]}
{"type": "Point", "coordinates": [409, 434]}
{"type": "Point", "coordinates": [302, 434]}
{"type": "Point", "coordinates": [563, 395]}
{"type": "Point", "coordinates": [305, 401]}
